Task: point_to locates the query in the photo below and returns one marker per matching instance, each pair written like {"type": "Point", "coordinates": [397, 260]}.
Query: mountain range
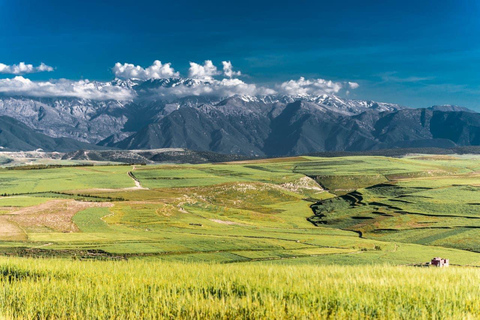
{"type": "Point", "coordinates": [250, 125]}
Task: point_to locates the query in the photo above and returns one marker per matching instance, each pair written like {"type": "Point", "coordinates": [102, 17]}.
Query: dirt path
{"type": "Point", "coordinates": [138, 185]}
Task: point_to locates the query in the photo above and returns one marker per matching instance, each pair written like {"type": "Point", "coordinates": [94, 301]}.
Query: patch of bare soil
{"type": "Point", "coordinates": [304, 183]}
{"type": "Point", "coordinates": [226, 222]}
{"type": "Point", "coordinates": [53, 215]}
{"type": "Point", "coordinates": [10, 231]}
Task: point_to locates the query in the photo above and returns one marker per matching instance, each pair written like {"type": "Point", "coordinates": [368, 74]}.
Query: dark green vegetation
{"type": "Point", "coordinates": [367, 210]}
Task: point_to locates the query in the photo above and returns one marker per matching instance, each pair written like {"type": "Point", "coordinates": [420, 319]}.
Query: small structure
{"type": "Point", "coordinates": [439, 262]}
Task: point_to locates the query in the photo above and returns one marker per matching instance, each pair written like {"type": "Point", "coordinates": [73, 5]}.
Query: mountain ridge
{"type": "Point", "coordinates": [251, 125]}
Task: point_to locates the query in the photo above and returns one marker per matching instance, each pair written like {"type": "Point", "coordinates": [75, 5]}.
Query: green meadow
{"type": "Point", "coordinates": [350, 210]}
{"type": "Point", "coordinates": [300, 237]}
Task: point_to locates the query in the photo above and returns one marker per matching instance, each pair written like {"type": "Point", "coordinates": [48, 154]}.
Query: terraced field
{"type": "Point", "coordinates": [352, 210]}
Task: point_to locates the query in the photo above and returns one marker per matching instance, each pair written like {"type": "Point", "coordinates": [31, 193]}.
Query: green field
{"type": "Point", "coordinates": [351, 210]}
{"type": "Point", "coordinates": [52, 289]}
{"type": "Point", "coordinates": [315, 232]}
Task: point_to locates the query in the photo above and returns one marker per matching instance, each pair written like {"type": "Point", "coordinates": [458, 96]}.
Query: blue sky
{"type": "Point", "coordinates": [416, 53]}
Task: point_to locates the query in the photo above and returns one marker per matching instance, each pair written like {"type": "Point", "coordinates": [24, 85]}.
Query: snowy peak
{"type": "Point", "coordinates": [108, 121]}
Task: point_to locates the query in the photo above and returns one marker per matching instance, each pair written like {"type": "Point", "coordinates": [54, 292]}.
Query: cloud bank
{"type": "Point", "coordinates": [204, 80]}
{"type": "Point", "coordinates": [23, 68]}
{"type": "Point", "coordinates": [20, 86]}
{"type": "Point", "coordinates": [211, 87]}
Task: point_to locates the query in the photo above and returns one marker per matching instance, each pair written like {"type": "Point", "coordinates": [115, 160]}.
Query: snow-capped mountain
{"type": "Point", "coordinates": [80, 119]}
{"type": "Point", "coordinates": [95, 120]}
{"type": "Point", "coordinates": [206, 115]}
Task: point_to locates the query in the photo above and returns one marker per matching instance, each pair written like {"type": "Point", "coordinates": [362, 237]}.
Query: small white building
{"type": "Point", "coordinates": [439, 262]}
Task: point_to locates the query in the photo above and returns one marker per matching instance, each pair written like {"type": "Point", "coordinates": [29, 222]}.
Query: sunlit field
{"type": "Point", "coordinates": [299, 237]}
{"type": "Point", "coordinates": [139, 289]}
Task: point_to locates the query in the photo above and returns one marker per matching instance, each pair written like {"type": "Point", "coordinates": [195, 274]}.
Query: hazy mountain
{"type": "Point", "coordinates": [449, 108]}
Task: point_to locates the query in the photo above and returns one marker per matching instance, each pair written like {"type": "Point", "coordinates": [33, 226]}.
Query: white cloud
{"type": "Point", "coordinates": [228, 70]}
{"type": "Point", "coordinates": [20, 86]}
{"type": "Point", "coordinates": [353, 85]}
{"type": "Point", "coordinates": [203, 82]}
{"type": "Point", "coordinates": [23, 68]}
{"type": "Point", "coordinates": [156, 71]}
{"type": "Point", "coordinates": [303, 87]}
{"type": "Point", "coordinates": [207, 71]}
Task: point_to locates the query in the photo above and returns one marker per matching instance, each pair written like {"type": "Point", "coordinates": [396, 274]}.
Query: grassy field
{"type": "Point", "coordinates": [433, 201]}
{"type": "Point", "coordinates": [299, 237]}
{"type": "Point", "coordinates": [366, 210]}
{"type": "Point", "coordinates": [48, 289]}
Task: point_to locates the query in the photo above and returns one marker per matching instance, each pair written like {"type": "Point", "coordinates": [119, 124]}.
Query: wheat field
{"type": "Point", "coordinates": [62, 289]}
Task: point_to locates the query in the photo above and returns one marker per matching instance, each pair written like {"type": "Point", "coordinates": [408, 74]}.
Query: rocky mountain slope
{"type": "Point", "coordinates": [301, 127]}
{"type": "Point", "coordinates": [16, 136]}
{"type": "Point", "coordinates": [251, 125]}
{"type": "Point", "coordinates": [92, 121]}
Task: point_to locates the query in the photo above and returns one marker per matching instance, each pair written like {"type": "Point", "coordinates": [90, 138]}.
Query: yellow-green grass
{"type": "Point", "coordinates": [169, 176]}
{"type": "Point", "coordinates": [233, 241]}
{"type": "Point", "coordinates": [62, 289]}
{"type": "Point", "coordinates": [434, 208]}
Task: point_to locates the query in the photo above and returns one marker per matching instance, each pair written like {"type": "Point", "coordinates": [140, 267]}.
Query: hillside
{"type": "Point", "coordinates": [109, 121]}
{"type": "Point", "coordinates": [16, 136]}
{"type": "Point", "coordinates": [305, 209]}
{"type": "Point", "coordinates": [346, 230]}
{"type": "Point", "coordinates": [300, 128]}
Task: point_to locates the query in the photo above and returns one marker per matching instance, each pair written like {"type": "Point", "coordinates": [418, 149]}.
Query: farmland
{"type": "Point", "coordinates": [45, 289]}
{"type": "Point", "coordinates": [287, 210]}
{"type": "Point", "coordinates": [272, 238]}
